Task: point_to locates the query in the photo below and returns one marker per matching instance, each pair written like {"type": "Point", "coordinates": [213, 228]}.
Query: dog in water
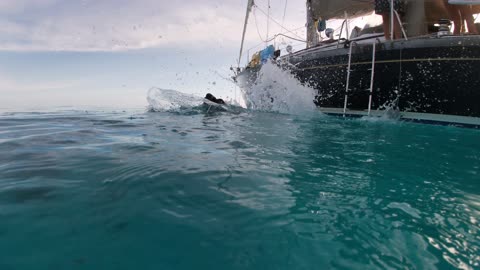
{"type": "Point", "coordinates": [213, 99]}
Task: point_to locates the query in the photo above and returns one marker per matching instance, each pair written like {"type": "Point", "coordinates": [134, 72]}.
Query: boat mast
{"type": "Point", "coordinates": [249, 9]}
{"type": "Point", "coordinates": [312, 35]}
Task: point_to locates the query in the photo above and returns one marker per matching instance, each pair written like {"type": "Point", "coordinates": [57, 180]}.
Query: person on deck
{"type": "Point", "coordinates": [459, 14]}
{"type": "Point", "coordinates": [382, 7]}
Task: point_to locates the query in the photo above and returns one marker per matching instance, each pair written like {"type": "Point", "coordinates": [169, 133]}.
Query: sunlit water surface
{"type": "Point", "coordinates": [244, 190]}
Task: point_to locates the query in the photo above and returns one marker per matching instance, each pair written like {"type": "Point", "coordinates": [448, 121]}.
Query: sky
{"type": "Point", "coordinates": [109, 53]}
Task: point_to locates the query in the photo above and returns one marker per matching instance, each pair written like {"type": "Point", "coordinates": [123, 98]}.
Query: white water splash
{"type": "Point", "coordinates": [162, 100]}
{"type": "Point", "coordinates": [277, 90]}
{"type": "Point", "coordinates": [388, 112]}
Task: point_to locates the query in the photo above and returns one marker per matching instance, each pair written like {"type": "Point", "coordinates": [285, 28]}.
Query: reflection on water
{"type": "Point", "coordinates": [224, 191]}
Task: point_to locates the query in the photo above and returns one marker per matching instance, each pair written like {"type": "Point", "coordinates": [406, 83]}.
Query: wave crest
{"type": "Point", "coordinates": [166, 100]}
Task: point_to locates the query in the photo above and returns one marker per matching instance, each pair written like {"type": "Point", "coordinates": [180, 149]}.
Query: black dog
{"type": "Point", "coordinates": [212, 98]}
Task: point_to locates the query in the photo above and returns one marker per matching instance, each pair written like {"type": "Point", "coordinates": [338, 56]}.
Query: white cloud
{"type": "Point", "coordinates": [107, 25]}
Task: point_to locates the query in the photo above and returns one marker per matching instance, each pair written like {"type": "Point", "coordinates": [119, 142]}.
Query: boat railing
{"type": "Point", "coordinates": [401, 24]}
{"type": "Point", "coordinates": [344, 23]}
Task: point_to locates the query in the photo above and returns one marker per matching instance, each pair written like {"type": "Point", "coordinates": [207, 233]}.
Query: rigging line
{"type": "Point", "coordinates": [256, 26]}
{"type": "Point", "coordinates": [284, 12]}
{"type": "Point", "coordinates": [274, 37]}
{"type": "Point", "coordinates": [288, 31]}
{"type": "Point", "coordinates": [277, 35]}
{"type": "Point", "coordinates": [296, 29]}
{"type": "Point", "coordinates": [226, 78]}
{"type": "Point", "coordinates": [268, 19]}
{"type": "Point", "coordinates": [296, 39]}
{"type": "Point", "coordinates": [283, 27]}
{"type": "Point", "coordinates": [299, 40]}
{"type": "Point", "coordinates": [253, 47]}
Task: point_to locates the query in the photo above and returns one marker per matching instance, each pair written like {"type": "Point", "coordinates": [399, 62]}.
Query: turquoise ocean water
{"type": "Point", "coordinates": [251, 190]}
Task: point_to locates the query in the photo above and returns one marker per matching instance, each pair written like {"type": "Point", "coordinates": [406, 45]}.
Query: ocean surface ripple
{"type": "Point", "coordinates": [135, 190]}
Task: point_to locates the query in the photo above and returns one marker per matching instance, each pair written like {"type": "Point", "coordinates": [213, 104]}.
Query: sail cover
{"type": "Point", "coordinates": [464, 2]}
{"type": "Point", "coordinates": [335, 9]}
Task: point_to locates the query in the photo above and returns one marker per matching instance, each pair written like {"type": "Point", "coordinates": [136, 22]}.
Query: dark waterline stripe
{"type": "Point", "coordinates": [420, 121]}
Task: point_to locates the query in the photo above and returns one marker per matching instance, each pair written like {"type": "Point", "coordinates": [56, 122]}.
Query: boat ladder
{"type": "Point", "coordinates": [372, 77]}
